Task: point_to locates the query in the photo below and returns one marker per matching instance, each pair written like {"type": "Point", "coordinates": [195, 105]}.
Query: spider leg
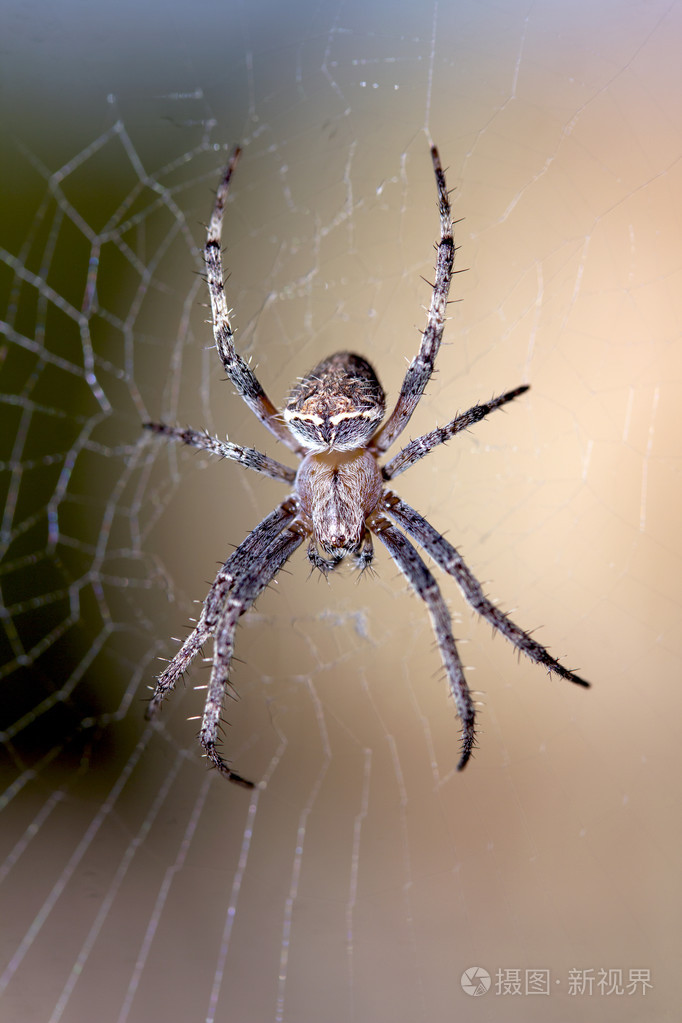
{"type": "Point", "coordinates": [253, 547]}
{"type": "Point", "coordinates": [451, 561]}
{"type": "Point", "coordinates": [246, 588]}
{"type": "Point", "coordinates": [248, 457]}
{"type": "Point", "coordinates": [237, 369]}
{"type": "Point", "coordinates": [420, 369]}
{"type": "Point", "coordinates": [421, 446]}
{"type": "Point", "coordinates": [425, 586]}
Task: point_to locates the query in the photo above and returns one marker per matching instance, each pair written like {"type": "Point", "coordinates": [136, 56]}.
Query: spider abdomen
{"type": "Point", "coordinates": [337, 490]}
{"type": "Point", "coordinates": [339, 404]}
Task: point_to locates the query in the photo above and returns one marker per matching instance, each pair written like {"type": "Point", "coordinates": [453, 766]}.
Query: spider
{"type": "Point", "coordinates": [334, 422]}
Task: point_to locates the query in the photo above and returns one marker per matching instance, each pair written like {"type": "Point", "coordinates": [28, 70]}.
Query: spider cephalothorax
{"type": "Point", "coordinates": [339, 498]}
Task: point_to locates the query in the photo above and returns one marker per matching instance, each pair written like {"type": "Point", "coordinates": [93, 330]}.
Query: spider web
{"type": "Point", "coordinates": [364, 876]}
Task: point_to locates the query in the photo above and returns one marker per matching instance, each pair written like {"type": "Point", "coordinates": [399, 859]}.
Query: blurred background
{"type": "Point", "coordinates": [364, 877]}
